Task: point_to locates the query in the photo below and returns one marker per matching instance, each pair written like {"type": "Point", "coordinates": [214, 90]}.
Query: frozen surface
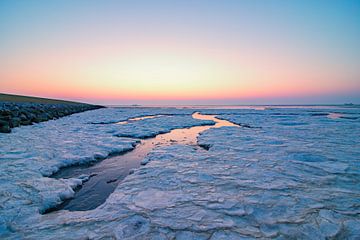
{"type": "Point", "coordinates": [31, 153]}
{"type": "Point", "coordinates": [293, 173]}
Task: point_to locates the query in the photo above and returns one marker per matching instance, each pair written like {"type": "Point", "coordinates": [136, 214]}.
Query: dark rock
{"type": "Point", "coordinates": [23, 113]}
{"type": "Point", "coordinates": [5, 129]}
{"type": "Point", "coordinates": [15, 122]}
{"type": "Point", "coordinates": [3, 123]}
{"type": "Point", "coordinates": [15, 113]}
{"type": "Point", "coordinates": [5, 112]}
{"type": "Point", "coordinates": [42, 117]}
{"type": "Point", "coordinates": [23, 117]}
{"type": "Point", "coordinates": [30, 116]}
{"type": "Point", "coordinates": [26, 122]}
{"type": "Point", "coordinates": [5, 118]}
{"type": "Point", "coordinates": [35, 120]}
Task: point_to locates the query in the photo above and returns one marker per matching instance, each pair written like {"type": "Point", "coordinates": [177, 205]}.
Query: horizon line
{"type": "Point", "coordinates": [86, 101]}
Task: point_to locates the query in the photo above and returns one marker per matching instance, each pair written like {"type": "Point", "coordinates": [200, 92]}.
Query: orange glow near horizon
{"type": "Point", "coordinates": [161, 75]}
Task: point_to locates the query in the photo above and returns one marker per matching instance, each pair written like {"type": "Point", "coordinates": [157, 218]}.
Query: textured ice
{"type": "Point", "coordinates": [31, 153]}
{"type": "Point", "coordinates": [296, 176]}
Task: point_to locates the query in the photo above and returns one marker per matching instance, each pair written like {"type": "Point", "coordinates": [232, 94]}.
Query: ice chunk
{"type": "Point", "coordinates": [153, 198]}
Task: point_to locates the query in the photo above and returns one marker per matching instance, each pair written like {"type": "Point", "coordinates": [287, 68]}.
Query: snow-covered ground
{"type": "Point", "coordinates": [290, 173]}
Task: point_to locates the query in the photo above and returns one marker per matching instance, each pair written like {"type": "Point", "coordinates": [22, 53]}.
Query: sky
{"type": "Point", "coordinates": [182, 52]}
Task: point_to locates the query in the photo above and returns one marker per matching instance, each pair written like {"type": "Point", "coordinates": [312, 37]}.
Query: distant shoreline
{"type": "Point", "coordinates": [5, 97]}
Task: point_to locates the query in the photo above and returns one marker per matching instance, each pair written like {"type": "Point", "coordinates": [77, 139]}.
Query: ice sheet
{"type": "Point", "coordinates": [296, 175]}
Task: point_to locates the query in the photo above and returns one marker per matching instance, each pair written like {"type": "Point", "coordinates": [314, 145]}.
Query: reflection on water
{"type": "Point", "coordinates": [107, 173]}
{"type": "Point", "coordinates": [139, 119]}
{"type": "Point", "coordinates": [335, 115]}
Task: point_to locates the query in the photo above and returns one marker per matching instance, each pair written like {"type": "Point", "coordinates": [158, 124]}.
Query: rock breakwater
{"type": "Point", "coordinates": [15, 114]}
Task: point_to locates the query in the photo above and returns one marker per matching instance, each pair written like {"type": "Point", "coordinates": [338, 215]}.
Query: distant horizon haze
{"type": "Point", "coordinates": [318, 100]}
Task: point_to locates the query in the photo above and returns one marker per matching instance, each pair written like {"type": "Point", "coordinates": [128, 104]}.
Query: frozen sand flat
{"type": "Point", "coordinates": [297, 175]}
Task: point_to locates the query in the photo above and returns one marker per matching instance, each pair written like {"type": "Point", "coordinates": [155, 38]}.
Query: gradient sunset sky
{"type": "Point", "coordinates": [182, 52]}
